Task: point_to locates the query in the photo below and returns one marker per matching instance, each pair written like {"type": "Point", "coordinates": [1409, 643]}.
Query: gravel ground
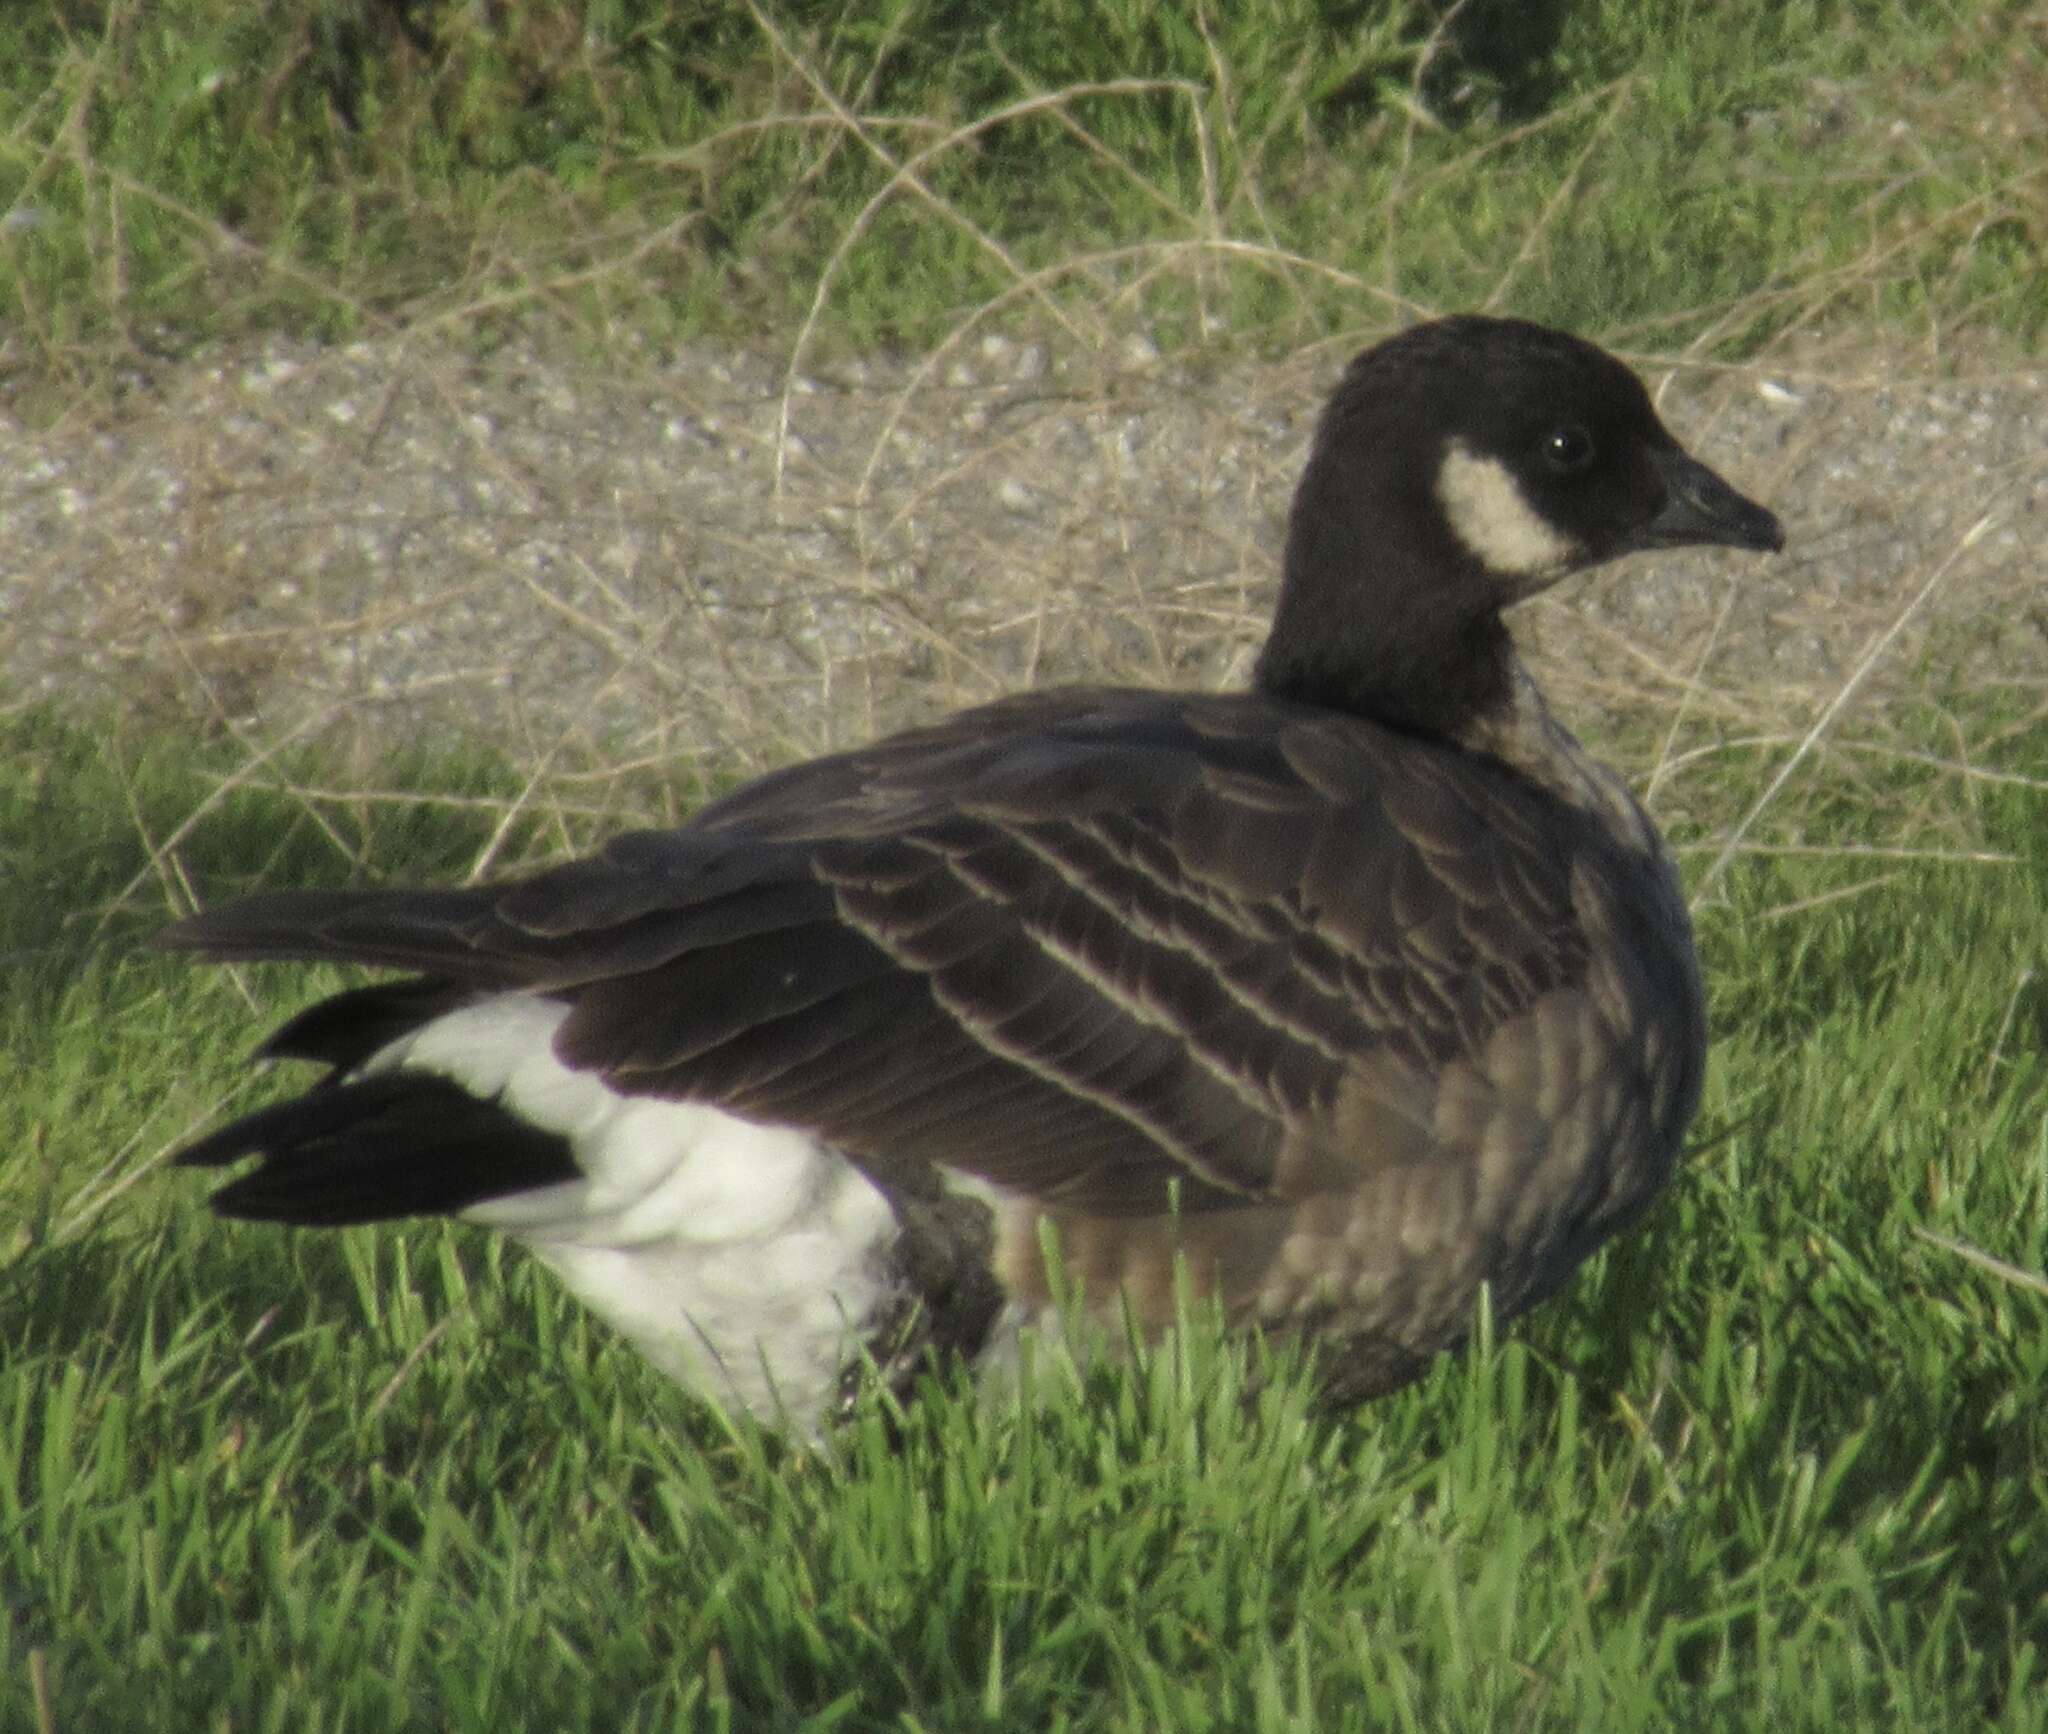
{"type": "Point", "coordinates": [699, 551]}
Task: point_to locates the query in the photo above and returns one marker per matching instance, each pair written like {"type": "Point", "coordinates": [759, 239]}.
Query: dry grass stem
{"type": "Point", "coordinates": [2033, 1282]}
{"type": "Point", "coordinates": [1835, 705]}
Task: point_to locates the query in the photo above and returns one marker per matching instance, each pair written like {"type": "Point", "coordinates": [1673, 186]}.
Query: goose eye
{"type": "Point", "coordinates": [1568, 449]}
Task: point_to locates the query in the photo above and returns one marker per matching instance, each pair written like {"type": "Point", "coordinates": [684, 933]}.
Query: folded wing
{"type": "Point", "coordinates": [1098, 948]}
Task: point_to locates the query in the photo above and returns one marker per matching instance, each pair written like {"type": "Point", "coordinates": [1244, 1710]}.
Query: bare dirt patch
{"type": "Point", "coordinates": [701, 554]}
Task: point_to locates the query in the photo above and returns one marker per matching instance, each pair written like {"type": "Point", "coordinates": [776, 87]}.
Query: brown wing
{"type": "Point", "coordinates": [1085, 945]}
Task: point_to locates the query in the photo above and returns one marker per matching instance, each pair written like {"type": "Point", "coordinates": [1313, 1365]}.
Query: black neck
{"type": "Point", "coordinates": [1383, 614]}
{"type": "Point", "coordinates": [1444, 682]}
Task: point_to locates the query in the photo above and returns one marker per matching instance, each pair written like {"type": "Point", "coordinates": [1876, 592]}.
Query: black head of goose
{"type": "Point", "coordinates": [1349, 993]}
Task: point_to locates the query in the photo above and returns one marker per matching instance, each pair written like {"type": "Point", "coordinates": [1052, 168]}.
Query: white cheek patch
{"type": "Point", "coordinates": [1488, 512]}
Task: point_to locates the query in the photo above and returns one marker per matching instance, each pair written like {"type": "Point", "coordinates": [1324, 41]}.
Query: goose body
{"type": "Point", "coordinates": [1350, 993]}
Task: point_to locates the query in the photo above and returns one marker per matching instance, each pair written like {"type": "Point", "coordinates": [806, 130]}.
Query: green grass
{"type": "Point", "coordinates": [901, 169]}
{"type": "Point", "coordinates": [1773, 1462]}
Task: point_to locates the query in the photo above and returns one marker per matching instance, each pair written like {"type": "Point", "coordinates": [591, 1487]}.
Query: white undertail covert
{"type": "Point", "coordinates": [747, 1262]}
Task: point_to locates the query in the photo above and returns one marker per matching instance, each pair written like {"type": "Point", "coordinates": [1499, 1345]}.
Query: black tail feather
{"type": "Point", "coordinates": [372, 1149]}
{"type": "Point", "coordinates": [346, 1029]}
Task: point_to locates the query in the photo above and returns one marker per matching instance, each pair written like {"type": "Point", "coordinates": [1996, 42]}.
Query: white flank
{"type": "Point", "coordinates": [747, 1262]}
{"type": "Point", "coordinates": [1487, 512]}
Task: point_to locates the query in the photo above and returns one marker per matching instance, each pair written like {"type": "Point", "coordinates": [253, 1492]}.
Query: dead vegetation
{"type": "Point", "coordinates": [703, 565]}
{"type": "Point", "coordinates": [631, 563]}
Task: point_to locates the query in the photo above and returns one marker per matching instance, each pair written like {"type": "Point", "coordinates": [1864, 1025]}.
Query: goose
{"type": "Point", "coordinates": [1327, 1002]}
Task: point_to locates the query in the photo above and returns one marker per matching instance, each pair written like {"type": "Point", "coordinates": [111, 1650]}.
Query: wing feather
{"type": "Point", "coordinates": [1087, 945]}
